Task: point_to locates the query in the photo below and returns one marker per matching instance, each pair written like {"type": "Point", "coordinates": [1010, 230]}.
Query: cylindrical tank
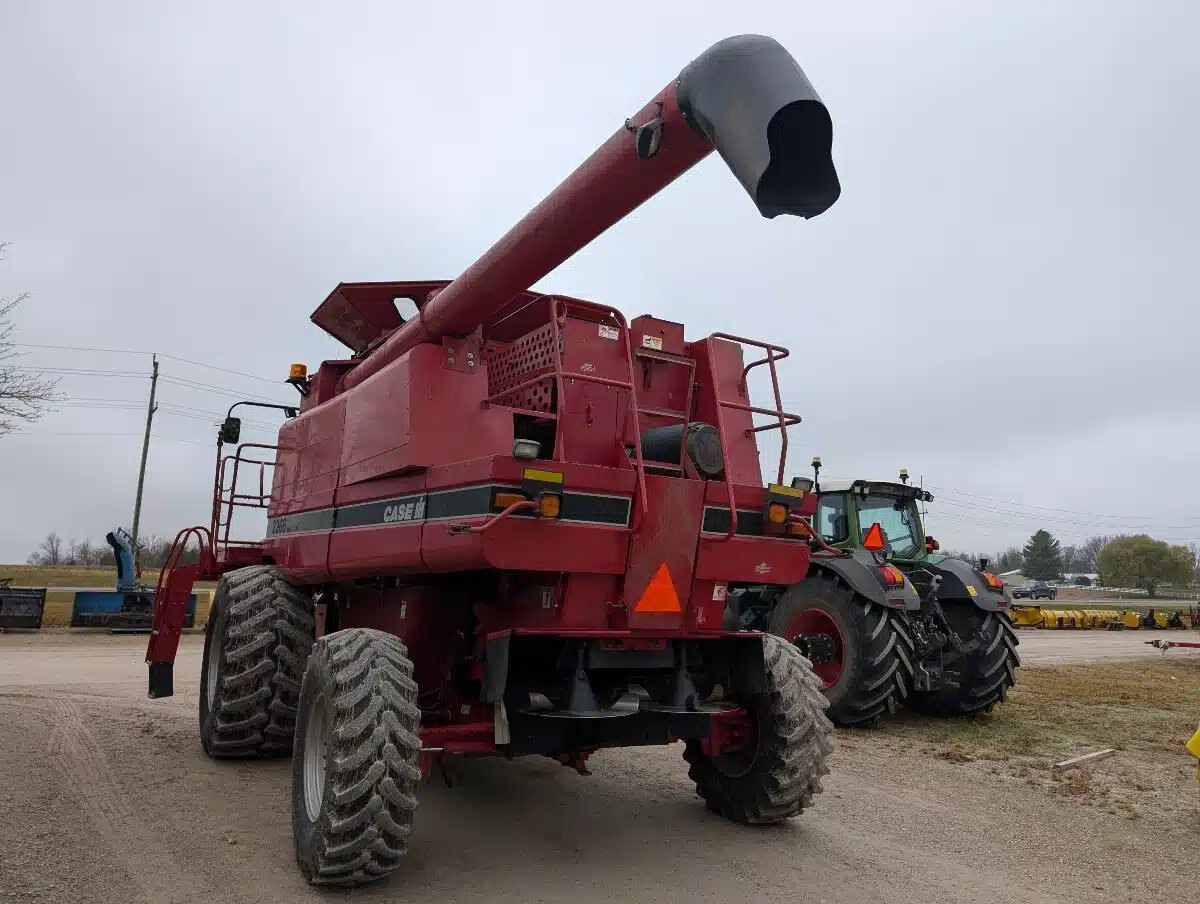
{"type": "Point", "coordinates": [745, 97]}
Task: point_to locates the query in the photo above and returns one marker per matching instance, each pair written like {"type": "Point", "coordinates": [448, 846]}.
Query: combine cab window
{"type": "Point", "coordinates": [832, 524]}
{"type": "Point", "coordinates": [898, 518]}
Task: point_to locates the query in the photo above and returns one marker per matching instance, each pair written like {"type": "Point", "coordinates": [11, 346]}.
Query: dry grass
{"type": "Point", "coordinates": [1147, 710]}
{"type": "Point", "coordinates": [60, 576]}
{"type": "Point", "coordinates": [1059, 711]}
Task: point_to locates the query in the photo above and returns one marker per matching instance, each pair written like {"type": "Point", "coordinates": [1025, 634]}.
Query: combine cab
{"type": "Point", "coordinates": [507, 523]}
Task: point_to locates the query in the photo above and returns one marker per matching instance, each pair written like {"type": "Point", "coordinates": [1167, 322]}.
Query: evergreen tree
{"type": "Point", "coordinates": [1043, 557]}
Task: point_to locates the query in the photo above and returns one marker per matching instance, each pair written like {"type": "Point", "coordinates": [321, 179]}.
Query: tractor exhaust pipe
{"type": "Point", "coordinates": [744, 97]}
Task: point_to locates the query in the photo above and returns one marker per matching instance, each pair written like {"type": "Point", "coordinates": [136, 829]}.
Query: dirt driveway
{"type": "Point", "coordinates": [106, 796]}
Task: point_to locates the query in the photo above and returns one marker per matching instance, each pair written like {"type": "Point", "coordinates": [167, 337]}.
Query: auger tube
{"type": "Point", "coordinates": [744, 97]}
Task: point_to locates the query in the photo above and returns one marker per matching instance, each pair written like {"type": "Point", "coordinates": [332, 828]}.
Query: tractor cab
{"type": "Point", "coordinates": [849, 510]}
{"type": "Point", "coordinates": [884, 517]}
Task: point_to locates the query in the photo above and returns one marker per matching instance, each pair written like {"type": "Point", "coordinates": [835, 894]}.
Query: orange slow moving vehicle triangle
{"type": "Point", "coordinates": [659, 595]}
{"type": "Point", "coordinates": [874, 538]}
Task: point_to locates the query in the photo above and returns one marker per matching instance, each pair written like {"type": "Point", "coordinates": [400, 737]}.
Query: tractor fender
{"type": "Point", "coordinates": [962, 581]}
{"type": "Point", "coordinates": [860, 571]}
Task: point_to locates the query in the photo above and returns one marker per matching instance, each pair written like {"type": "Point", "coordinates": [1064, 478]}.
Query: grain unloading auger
{"type": "Point", "coordinates": [508, 523]}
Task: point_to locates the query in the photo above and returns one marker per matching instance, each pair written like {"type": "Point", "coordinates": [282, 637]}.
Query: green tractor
{"type": "Point", "coordinates": [937, 639]}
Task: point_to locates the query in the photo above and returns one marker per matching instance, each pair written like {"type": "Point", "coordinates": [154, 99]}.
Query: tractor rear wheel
{"type": "Point", "coordinates": [860, 651]}
{"type": "Point", "coordinates": [985, 674]}
{"type": "Point", "coordinates": [357, 759]}
{"type": "Point", "coordinates": [779, 774]}
{"type": "Point", "coordinates": [259, 634]}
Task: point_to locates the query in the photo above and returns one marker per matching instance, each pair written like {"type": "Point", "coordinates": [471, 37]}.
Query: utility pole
{"type": "Point", "coordinates": [150, 409]}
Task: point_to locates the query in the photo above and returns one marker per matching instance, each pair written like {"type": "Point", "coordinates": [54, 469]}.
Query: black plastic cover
{"type": "Point", "coordinates": [754, 103]}
{"type": "Point", "coordinates": [703, 446]}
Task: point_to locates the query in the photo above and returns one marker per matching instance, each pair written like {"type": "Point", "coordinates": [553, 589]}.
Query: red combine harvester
{"type": "Point", "coordinates": [508, 523]}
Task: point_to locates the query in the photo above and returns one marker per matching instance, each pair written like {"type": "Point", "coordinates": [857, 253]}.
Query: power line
{"type": "Point", "coordinates": [1028, 505]}
{"type": "Point", "coordinates": [173, 439]}
{"type": "Point", "coordinates": [126, 351]}
{"type": "Point", "coordinates": [179, 381]}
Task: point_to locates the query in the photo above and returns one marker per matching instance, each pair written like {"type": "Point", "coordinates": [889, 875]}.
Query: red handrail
{"type": "Point", "coordinates": [774, 353]}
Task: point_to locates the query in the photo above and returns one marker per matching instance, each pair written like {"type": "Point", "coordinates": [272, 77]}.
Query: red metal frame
{"type": "Point", "coordinates": [174, 586]}
{"type": "Point", "coordinates": [558, 317]}
{"type": "Point", "coordinates": [785, 419]}
{"type": "Point", "coordinates": [228, 498]}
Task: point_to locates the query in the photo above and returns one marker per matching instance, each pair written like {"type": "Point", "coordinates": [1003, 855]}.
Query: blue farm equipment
{"type": "Point", "coordinates": [128, 607]}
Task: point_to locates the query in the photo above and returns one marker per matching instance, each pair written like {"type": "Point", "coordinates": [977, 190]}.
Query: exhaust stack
{"type": "Point", "coordinates": [744, 97]}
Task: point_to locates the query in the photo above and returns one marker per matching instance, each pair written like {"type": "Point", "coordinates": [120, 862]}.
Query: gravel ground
{"type": "Point", "coordinates": [107, 796]}
{"type": "Point", "coordinates": [1039, 646]}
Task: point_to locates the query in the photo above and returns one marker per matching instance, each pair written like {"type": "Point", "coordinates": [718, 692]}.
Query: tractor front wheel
{"type": "Point", "coordinates": [778, 774]}
{"type": "Point", "coordinates": [860, 651]}
{"type": "Point", "coordinates": [985, 674]}
{"type": "Point", "coordinates": [259, 634]}
{"type": "Point", "coordinates": [356, 764]}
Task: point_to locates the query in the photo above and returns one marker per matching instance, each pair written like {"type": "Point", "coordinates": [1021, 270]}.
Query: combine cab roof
{"type": "Point", "coordinates": [880, 487]}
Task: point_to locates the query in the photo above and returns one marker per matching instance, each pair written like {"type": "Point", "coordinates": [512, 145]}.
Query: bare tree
{"type": "Point", "coordinates": [24, 396]}
{"type": "Point", "coordinates": [49, 552]}
{"type": "Point", "coordinates": [1089, 552]}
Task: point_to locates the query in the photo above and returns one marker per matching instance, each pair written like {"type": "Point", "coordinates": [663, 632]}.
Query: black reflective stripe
{"type": "Point", "coordinates": [716, 521]}
{"type": "Point", "coordinates": [400, 510]}
{"type": "Point", "coordinates": [300, 522]}
{"type": "Point", "coordinates": [461, 503]}
{"type": "Point", "coordinates": [464, 502]}
{"type": "Point", "coordinates": [595, 509]}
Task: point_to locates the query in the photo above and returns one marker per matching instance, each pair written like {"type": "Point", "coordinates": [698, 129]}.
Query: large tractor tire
{"type": "Point", "coordinates": [860, 651]}
{"type": "Point", "coordinates": [779, 774]}
{"type": "Point", "coordinates": [259, 635]}
{"type": "Point", "coordinates": [985, 674]}
{"type": "Point", "coordinates": [357, 759]}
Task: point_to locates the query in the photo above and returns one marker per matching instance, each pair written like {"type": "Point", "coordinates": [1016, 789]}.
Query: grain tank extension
{"type": "Point", "coordinates": [507, 523]}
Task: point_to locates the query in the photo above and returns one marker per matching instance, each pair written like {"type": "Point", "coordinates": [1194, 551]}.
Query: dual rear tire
{"type": "Point", "coordinates": [863, 653]}
{"type": "Point", "coordinates": [344, 707]}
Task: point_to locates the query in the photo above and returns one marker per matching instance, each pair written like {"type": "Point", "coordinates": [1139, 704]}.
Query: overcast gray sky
{"type": "Point", "coordinates": [1003, 300]}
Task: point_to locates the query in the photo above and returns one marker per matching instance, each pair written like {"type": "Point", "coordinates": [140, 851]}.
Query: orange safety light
{"type": "Point", "coordinates": [298, 372]}
{"type": "Point", "coordinates": [659, 595]}
{"type": "Point", "coordinates": [777, 513]}
{"type": "Point", "coordinates": [874, 538]}
{"type": "Point", "coordinates": [549, 505]}
{"type": "Point", "coordinates": [994, 582]}
{"type": "Point", "coordinates": [504, 500]}
{"type": "Point", "coordinates": [892, 575]}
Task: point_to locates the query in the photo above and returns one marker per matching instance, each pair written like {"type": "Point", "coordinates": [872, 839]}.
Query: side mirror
{"type": "Point", "coordinates": [983, 563]}
{"type": "Point", "coordinates": [932, 545]}
{"type": "Point", "coordinates": [231, 430]}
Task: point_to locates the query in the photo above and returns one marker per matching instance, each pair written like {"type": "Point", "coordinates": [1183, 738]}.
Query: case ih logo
{"type": "Point", "coordinates": [404, 511]}
{"type": "Point", "coordinates": [762, 568]}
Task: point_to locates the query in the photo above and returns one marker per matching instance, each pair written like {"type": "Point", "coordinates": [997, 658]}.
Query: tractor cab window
{"type": "Point", "coordinates": [832, 524]}
{"type": "Point", "coordinates": [899, 521]}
